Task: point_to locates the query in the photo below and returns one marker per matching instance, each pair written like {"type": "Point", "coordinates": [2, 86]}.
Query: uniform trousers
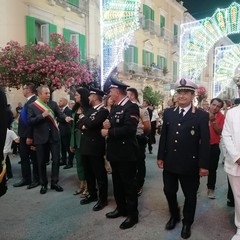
{"type": "Point", "coordinates": [27, 156]}
{"type": "Point", "coordinates": [65, 148]}
{"type": "Point", "coordinates": [235, 184]}
{"type": "Point", "coordinates": [213, 165]}
{"type": "Point", "coordinates": [189, 185]}
{"type": "Point", "coordinates": [124, 186]}
{"type": "Point", "coordinates": [141, 166]}
{"type": "Point", "coordinates": [94, 167]}
{"type": "Point", "coordinates": [42, 154]}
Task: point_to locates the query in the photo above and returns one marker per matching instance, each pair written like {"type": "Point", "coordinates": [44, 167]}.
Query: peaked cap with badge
{"type": "Point", "coordinates": [96, 91]}
{"type": "Point", "coordinates": [185, 85]}
{"type": "Point", "coordinates": [115, 83]}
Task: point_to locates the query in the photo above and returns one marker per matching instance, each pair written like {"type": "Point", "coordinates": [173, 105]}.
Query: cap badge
{"type": "Point", "coordinates": [183, 82]}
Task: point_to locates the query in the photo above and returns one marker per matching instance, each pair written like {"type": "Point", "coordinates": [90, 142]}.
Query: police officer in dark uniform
{"type": "Point", "coordinates": [92, 148]}
{"type": "Point", "coordinates": [122, 149]}
{"type": "Point", "coordinates": [183, 154]}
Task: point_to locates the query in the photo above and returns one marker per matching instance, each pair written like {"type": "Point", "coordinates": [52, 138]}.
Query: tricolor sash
{"type": "Point", "coordinates": [4, 167]}
{"type": "Point", "coordinates": [44, 107]}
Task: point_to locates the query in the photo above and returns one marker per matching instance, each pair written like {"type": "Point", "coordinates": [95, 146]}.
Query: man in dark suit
{"type": "Point", "coordinates": [27, 151]}
{"type": "Point", "coordinates": [122, 152]}
{"type": "Point", "coordinates": [183, 154]}
{"type": "Point", "coordinates": [42, 117]}
{"type": "Point", "coordinates": [92, 149]}
{"type": "Point", "coordinates": [65, 134]}
{"type": "Point", "coordinates": [3, 132]}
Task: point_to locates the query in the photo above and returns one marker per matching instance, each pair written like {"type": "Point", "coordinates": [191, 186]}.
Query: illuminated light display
{"type": "Point", "coordinates": [198, 37]}
{"type": "Point", "coordinates": [119, 21]}
{"type": "Point", "coordinates": [227, 59]}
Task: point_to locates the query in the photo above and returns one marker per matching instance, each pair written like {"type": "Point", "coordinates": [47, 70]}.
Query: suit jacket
{"type": "Point", "coordinates": [231, 140]}
{"type": "Point", "coordinates": [121, 142]}
{"type": "Point", "coordinates": [185, 143]}
{"type": "Point", "coordinates": [65, 127]}
{"type": "Point", "coordinates": [43, 129]}
{"type": "Point", "coordinates": [92, 142]}
{"type": "Point", "coordinates": [3, 123]}
{"type": "Point", "coordinates": [24, 130]}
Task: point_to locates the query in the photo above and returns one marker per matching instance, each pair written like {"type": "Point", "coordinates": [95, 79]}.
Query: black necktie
{"type": "Point", "coordinates": [181, 113]}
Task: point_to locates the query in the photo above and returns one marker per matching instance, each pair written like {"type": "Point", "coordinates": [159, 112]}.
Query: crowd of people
{"type": "Point", "coordinates": [110, 134]}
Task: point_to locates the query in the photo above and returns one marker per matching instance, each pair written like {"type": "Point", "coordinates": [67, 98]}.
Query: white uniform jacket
{"type": "Point", "coordinates": [231, 140]}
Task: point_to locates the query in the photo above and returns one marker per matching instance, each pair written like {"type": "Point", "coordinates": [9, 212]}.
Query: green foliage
{"type": "Point", "coordinates": [153, 97]}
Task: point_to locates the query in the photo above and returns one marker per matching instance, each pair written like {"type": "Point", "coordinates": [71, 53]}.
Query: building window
{"type": "Point", "coordinates": [175, 33]}
{"type": "Point", "coordinates": [161, 62]}
{"type": "Point", "coordinates": [38, 30]}
{"type": "Point", "coordinates": [42, 32]}
{"type": "Point", "coordinates": [80, 41]}
{"type": "Point", "coordinates": [148, 17]}
{"type": "Point", "coordinates": [162, 25]}
{"type": "Point", "coordinates": [148, 58]}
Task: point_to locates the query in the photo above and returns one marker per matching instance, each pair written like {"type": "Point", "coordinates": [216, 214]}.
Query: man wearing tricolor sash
{"type": "Point", "coordinates": [42, 116]}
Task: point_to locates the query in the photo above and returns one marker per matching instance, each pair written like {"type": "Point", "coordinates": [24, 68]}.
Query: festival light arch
{"type": "Point", "coordinates": [119, 21]}
{"type": "Point", "coordinates": [198, 37]}
{"type": "Point", "coordinates": [227, 60]}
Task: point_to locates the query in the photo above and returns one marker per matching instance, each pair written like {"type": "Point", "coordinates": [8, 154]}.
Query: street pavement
{"type": "Point", "coordinates": [28, 215]}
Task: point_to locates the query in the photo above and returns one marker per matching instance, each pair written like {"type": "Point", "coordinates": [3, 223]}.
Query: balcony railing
{"type": "Point", "coordinates": [141, 70]}
{"type": "Point", "coordinates": [161, 32]}
{"type": "Point", "coordinates": [80, 7]}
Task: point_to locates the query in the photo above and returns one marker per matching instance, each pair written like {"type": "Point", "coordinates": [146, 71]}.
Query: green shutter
{"type": "Point", "coordinates": [74, 2]}
{"type": "Point", "coordinates": [30, 30]}
{"type": "Point", "coordinates": [174, 68]}
{"type": "Point", "coordinates": [175, 30]}
{"type": "Point", "coordinates": [162, 21]}
{"type": "Point", "coordinates": [164, 62]}
{"type": "Point", "coordinates": [158, 61]}
{"type": "Point", "coordinates": [136, 55]}
{"type": "Point", "coordinates": [52, 28]}
{"type": "Point", "coordinates": [152, 14]}
{"type": "Point", "coordinates": [145, 11]}
{"type": "Point", "coordinates": [144, 57]}
{"type": "Point", "coordinates": [66, 34]}
{"type": "Point", "coordinates": [82, 47]}
{"type": "Point", "coordinates": [151, 58]}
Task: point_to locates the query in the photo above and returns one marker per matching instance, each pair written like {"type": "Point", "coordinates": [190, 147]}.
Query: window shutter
{"type": "Point", "coordinates": [164, 62]}
{"type": "Point", "coordinates": [66, 34]}
{"type": "Point", "coordinates": [30, 30]}
{"type": "Point", "coordinates": [52, 28]}
{"type": "Point", "coordinates": [82, 48]}
{"type": "Point", "coordinates": [175, 70]}
{"type": "Point", "coordinates": [162, 21]}
{"type": "Point", "coordinates": [151, 58]}
{"type": "Point", "coordinates": [74, 2]}
{"type": "Point", "coordinates": [136, 55]}
{"type": "Point", "coordinates": [175, 29]}
{"type": "Point", "coordinates": [152, 14]}
{"type": "Point", "coordinates": [144, 58]}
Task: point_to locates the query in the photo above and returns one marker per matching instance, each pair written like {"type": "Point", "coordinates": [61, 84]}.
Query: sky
{"type": "Point", "coordinates": [200, 9]}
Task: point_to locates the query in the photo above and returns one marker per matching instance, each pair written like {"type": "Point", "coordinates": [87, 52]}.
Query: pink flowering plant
{"type": "Point", "coordinates": [55, 64]}
{"type": "Point", "coordinates": [201, 94]}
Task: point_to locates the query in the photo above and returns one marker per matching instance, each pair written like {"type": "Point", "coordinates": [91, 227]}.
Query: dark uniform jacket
{"type": "Point", "coordinates": [24, 130]}
{"type": "Point", "coordinates": [65, 127]}
{"type": "Point", "coordinates": [121, 142]}
{"type": "Point", "coordinates": [185, 143]}
{"type": "Point", "coordinates": [92, 142]}
{"type": "Point", "coordinates": [43, 128]}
